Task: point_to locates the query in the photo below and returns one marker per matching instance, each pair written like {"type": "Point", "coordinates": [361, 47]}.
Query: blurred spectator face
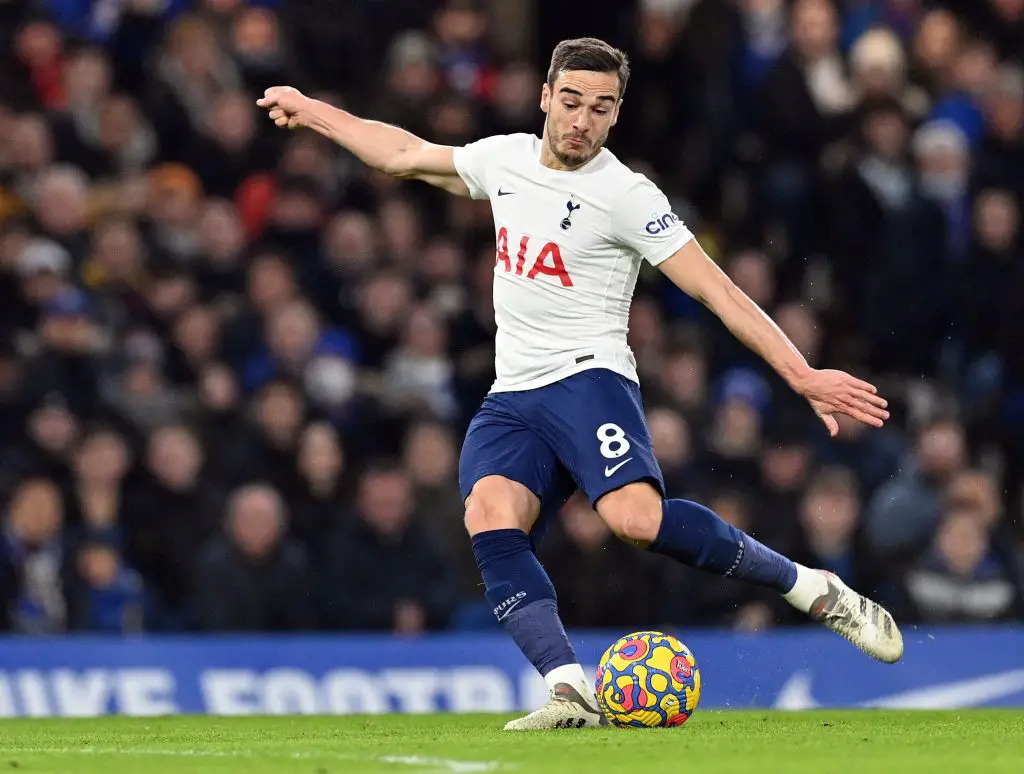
{"type": "Point", "coordinates": [442, 261]}
{"type": "Point", "coordinates": [670, 435]}
{"type": "Point", "coordinates": [168, 296]}
{"type": "Point", "coordinates": [425, 335]}
{"type": "Point", "coordinates": [320, 455]}
{"type": "Point", "coordinates": [233, 122]}
{"type": "Point", "coordinates": [38, 43]}
{"type": "Point", "coordinates": [60, 201]}
{"type": "Point", "coordinates": [996, 220]}
{"type": "Point", "coordinates": [385, 501]}
{"type": "Point", "coordinates": [53, 428]}
{"type": "Point", "coordinates": [255, 38]}
{"type": "Point", "coordinates": [271, 284]}
{"type": "Point", "coordinates": [943, 159]}
{"type": "Point", "coordinates": [940, 450]}
{"type": "Point", "coordinates": [306, 155]}
{"type": "Point", "coordinates": [67, 326]}
{"type": "Point", "coordinates": [736, 429]}
{"type": "Point", "coordinates": [87, 77]}
{"type": "Point", "coordinates": [350, 241]}
{"type": "Point", "coordinates": [460, 25]}
{"type": "Point", "coordinates": [583, 526]}
{"type": "Point", "coordinates": [221, 236]}
{"type": "Point", "coordinates": [143, 379]}
{"type": "Point", "coordinates": [99, 565]}
{"type": "Point", "coordinates": [296, 208]}
{"type": "Point", "coordinates": [118, 123]}
{"type": "Point", "coordinates": [35, 514]}
{"type": "Point", "coordinates": [1010, 10]}
{"type": "Point", "coordinates": [175, 194]}
{"type": "Point", "coordinates": [430, 455]}
{"type": "Point", "coordinates": [1004, 104]}
{"type": "Point", "coordinates": [962, 542]}
{"type": "Point", "coordinates": [785, 467]}
{"type": "Point", "coordinates": [43, 266]}
{"type": "Point", "coordinates": [515, 94]}
{"type": "Point", "coordinates": [646, 331]}
{"type": "Point", "coordinates": [732, 509]}
{"type": "Point", "coordinates": [974, 492]}
{"type": "Point", "coordinates": [256, 521]}
{"type": "Point", "coordinates": [752, 272]}
{"type": "Point", "coordinates": [879, 64]}
{"type": "Point", "coordinates": [886, 133]}
{"type": "Point", "coordinates": [452, 122]}
{"type": "Point", "coordinates": [400, 228]}
{"type": "Point", "coordinates": [218, 389]}
{"type": "Point", "coordinates": [293, 331]}
{"type": "Point", "coordinates": [31, 143]}
{"type": "Point", "coordinates": [974, 70]}
{"type": "Point", "coordinates": [831, 510]}
{"type": "Point", "coordinates": [385, 302]}
{"type": "Point", "coordinates": [102, 459]}
{"type": "Point", "coordinates": [801, 327]}
{"type": "Point", "coordinates": [937, 42]}
{"type": "Point", "coordinates": [411, 71]}
{"type": "Point", "coordinates": [196, 333]}
{"type": "Point", "coordinates": [117, 251]}
{"type": "Point", "coordinates": [814, 28]}
{"type": "Point", "coordinates": [175, 457]}
{"type": "Point", "coordinates": [279, 412]}
{"type": "Point", "coordinates": [684, 377]}
{"type": "Point", "coordinates": [193, 46]}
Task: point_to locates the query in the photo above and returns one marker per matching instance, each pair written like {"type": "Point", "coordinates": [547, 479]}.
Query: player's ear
{"type": "Point", "coordinates": [545, 97]}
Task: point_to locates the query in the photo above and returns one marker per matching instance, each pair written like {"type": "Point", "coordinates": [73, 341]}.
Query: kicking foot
{"type": "Point", "coordinates": [565, 709]}
{"type": "Point", "coordinates": [863, 622]}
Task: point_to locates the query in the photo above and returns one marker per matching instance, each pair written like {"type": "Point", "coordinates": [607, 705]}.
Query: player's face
{"type": "Point", "coordinates": [581, 108]}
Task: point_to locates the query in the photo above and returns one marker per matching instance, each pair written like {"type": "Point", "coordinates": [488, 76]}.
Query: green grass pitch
{"type": "Point", "coordinates": [859, 742]}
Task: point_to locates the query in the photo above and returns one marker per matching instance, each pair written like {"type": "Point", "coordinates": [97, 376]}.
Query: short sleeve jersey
{"type": "Point", "coordinates": [569, 248]}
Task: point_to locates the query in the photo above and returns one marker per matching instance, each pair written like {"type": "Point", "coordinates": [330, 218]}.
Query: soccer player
{"type": "Point", "coordinates": [573, 226]}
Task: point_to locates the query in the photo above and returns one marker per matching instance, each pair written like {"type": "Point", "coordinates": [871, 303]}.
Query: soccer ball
{"type": "Point", "coordinates": [648, 680]}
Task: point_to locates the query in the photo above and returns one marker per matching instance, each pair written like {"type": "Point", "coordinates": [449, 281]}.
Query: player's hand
{"type": "Point", "coordinates": [835, 392]}
{"type": "Point", "coordinates": [285, 104]}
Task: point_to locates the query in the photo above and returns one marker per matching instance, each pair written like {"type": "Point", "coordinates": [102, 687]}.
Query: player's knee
{"type": "Point", "coordinates": [497, 503]}
{"type": "Point", "coordinates": [632, 513]}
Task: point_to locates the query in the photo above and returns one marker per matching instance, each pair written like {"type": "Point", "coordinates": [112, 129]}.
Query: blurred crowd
{"type": "Point", "coordinates": [236, 366]}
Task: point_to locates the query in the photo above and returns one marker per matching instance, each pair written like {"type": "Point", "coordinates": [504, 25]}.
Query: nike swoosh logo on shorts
{"type": "Point", "coordinates": [609, 472]}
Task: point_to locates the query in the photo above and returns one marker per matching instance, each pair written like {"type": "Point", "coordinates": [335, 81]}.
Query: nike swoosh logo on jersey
{"type": "Point", "coordinates": [609, 472]}
{"type": "Point", "coordinates": [505, 193]}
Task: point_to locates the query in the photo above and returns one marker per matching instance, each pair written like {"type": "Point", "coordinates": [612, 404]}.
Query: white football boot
{"type": "Point", "coordinates": [565, 709]}
{"type": "Point", "coordinates": [863, 622]}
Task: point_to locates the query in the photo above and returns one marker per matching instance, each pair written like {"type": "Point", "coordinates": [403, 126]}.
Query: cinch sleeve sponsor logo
{"type": "Point", "coordinates": [661, 223]}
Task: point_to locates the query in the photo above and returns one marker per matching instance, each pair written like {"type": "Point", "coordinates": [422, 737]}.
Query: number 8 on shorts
{"type": "Point", "coordinates": [613, 441]}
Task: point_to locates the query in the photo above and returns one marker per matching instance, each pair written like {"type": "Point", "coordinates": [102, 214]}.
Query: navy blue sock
{"type": "Point", "coordinates": [519, 590]}
{"type": "Point", "coordinates": [698, 537]}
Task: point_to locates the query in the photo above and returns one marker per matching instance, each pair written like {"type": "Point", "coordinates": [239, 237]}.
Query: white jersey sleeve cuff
{"type": "Point", "coordinates": [682, 238]}
{"type": "Point", "coordinates": [462, 158]}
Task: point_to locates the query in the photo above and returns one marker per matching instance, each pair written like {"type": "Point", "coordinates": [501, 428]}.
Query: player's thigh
{"type": "Point", "coordinates": [506, 471]}
{"type": "Point", "coordinates": [601, 435]}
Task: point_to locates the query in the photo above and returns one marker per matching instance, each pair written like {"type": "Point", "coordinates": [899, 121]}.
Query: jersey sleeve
{"type": "Point", "coordinates": [644, 222]}
{"type": "Point", "coordinates": [475, 163]}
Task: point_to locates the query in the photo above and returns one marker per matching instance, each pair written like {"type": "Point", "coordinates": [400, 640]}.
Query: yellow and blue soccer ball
{"type": "Point", "coordinates": [648, 680]}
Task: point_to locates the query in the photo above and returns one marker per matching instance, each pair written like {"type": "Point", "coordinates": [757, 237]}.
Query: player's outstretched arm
{"type": "Point", "coordinates": [828, 391]}
{"type": "Point", "coordinates": [383, 147]}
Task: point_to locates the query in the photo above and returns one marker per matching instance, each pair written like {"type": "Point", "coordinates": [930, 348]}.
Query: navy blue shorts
{"type": "Point", "coordinates": [586, 432]}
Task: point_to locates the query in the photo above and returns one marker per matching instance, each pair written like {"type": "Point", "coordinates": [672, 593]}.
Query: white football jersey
{"type": "Point", "coordinates": [569, 249]}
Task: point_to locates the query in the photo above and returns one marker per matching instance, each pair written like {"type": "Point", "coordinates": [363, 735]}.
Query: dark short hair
{"type": "Point", "coordinates": [590, 54]}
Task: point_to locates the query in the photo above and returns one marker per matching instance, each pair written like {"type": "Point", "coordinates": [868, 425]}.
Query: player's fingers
{"type": "Point", "coordinates": [864, 417]}
{"type": "Point", "coordinates": [870, 397]}
{"type": "Point", "coordinates": [860, 384]}
{"type": "Point", "coordinates": [861, 404]}
{"type": "Point", "coordinates": [830, 423]}
{"type": "Point", "coordinates": [282, 121]}
{"type": "Point", "coordinates": [276, 113]}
